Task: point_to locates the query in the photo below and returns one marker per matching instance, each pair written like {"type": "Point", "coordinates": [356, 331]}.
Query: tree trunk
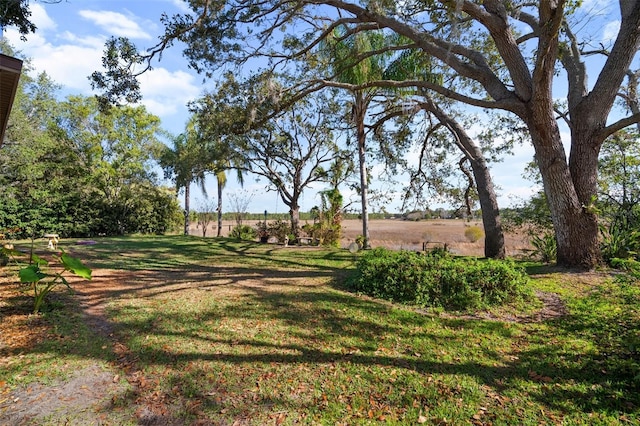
{"type": "Point", "coordinates": [575, 224]}
{"type": "Point", "coordinates": [187, 224]}
{"type": "Point", "coordinates": [359, 116]}
{"type": "Point", "coordinates": [364, 194]}
{"type": "Point", "coordinates": [219, 209]}
{"type": "Point", "coordinates": [493, 235]}
{"type": "Point", "coordinates": [294, 214]}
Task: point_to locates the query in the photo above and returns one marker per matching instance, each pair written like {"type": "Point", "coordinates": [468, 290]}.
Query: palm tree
{"type": "Point", "coordinates": [343, 51]}
{"type": "Point", "coordinates": [187, 161]}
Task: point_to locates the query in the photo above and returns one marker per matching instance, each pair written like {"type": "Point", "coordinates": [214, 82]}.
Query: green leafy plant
{"type": "Point", "coordinates": [545, 247]}
{"type": "Point", "coordinates": [619, 241]}
{"type": "Point", "coordinates": [439, 280]}
{"type": "Point", "coordinates": [42, 281]}
{"type": "Point", "coordinates": [631, 266]}
{"type": "Point", "coordinates": [473, 233]}
{"type": "Point", "coordinates": [279, 229]}
{"type": "Point", "coordinates": [327, 217]}
{"type": "Point", "coordinates": [243, 232]}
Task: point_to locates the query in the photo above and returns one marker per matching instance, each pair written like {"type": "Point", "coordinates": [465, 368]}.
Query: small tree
{"type": "Point", "coordinates": [239, 204]}
{"type": "Point", "coordinates": [619, 204]}
{"type": "Point", "coordinates": [207, 210]}
{"type": "Point", "coordinates": [328, 218]}
{"type": "Point", "coordinates": [290, 151]}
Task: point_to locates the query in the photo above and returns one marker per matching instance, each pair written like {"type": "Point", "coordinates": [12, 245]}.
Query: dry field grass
{"type": "Point", "coordinates": [410, 235]}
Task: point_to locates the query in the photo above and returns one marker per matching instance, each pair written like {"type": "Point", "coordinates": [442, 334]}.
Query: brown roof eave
{"type": "Point", "coordinates": [10, 69]}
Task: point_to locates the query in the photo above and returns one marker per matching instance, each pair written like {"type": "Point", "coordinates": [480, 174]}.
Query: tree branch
{"type": "Point", "coordinates": [618, 125]}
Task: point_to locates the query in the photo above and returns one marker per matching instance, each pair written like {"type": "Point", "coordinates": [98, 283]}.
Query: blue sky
{"type": "Point", "coordinates": [69, 42]}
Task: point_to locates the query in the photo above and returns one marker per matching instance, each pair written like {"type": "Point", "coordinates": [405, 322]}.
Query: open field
{"type": "Point", "coordinates": [409, 235]}
{"type": "Point", "coordinates": [191, 331]}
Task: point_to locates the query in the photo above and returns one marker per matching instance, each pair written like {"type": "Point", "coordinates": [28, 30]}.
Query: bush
{"type": "Point", "coordinates": [545, 247]}
{"type": "Point", "coordinates": [628, 265]}
{"type": "Point", "coordinates": [620, 241]}
{"type": "Point", "coordinates": [437, 279]}
{"type": "Point", "coordinates": [279, 229]}
{"type": "Point", "coordinates": [473, 233]}
{"type": "Point", "coordinates": [243, 232]}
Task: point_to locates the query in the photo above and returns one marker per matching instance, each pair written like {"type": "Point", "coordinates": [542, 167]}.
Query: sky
{"type": "Point", "coordinates": [69, 42]}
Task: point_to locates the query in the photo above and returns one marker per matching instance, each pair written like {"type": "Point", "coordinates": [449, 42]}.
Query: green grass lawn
{"type": "Point", "coordinates": [217, 331]}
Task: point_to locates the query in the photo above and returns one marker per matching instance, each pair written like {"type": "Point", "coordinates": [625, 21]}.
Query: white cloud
{"type": "Point", "coordinates": [68, 65]}
{"type": "Point", "coordinates": [610, 31]}
{"type": "Point", "coordinates": [166, 93]}
{"type": "Point", "coordinates": [94, 42]}
{"type": "Point", "coordinates": [115, 23]}
{"type": "Point", "coordinates": [40, 18]}
{"type": "Point", "coordinates": [514, 195]}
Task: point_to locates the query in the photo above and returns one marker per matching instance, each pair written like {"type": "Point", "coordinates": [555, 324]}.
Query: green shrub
{"type": "Point", "coordinates": [473, 233]}
{"type": "Point", "coordinates": [243, 232]}
{"type": "Point", "coordinates": [619, 242]}
{"type": "Point", "coordinates": [279, 229]}
{"type": "Point", "coordinates": [438, 279]}
{"type": "Point", "coordinates": [545, 247]}
{"type": "Point", "coordinates": [628, 265]}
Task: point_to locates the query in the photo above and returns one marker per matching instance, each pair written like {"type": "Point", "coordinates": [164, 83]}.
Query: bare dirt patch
{"type": "Point", "coordinates": [76, 400]}
{"type": "Point", "coordinates": [552, 308]}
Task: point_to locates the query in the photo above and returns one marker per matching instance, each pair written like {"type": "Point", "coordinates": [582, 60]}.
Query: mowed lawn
{"type": "Point", "coordinates": [214, 331]}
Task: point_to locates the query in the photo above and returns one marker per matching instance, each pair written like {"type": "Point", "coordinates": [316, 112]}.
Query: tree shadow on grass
{"type": "Point", "coordinates": [558, 377]}
{"type": "Point", "coordinates": [180, 252]}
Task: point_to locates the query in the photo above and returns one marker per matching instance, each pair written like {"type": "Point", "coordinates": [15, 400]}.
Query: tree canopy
{"type": "Point", "coordinates": [291, 151]}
